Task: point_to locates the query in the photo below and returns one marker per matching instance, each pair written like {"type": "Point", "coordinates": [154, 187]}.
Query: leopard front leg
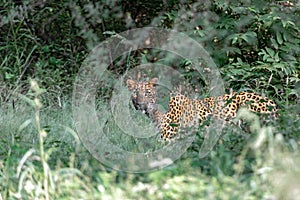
{"type": "Point", "coordinates": [168, 127]}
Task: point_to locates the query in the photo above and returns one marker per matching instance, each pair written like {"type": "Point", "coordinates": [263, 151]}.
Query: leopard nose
{"type": "Point", "coordinates": [140, 98]}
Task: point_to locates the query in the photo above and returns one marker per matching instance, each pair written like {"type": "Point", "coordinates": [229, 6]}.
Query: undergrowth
{"type": "Point", "coordinates": [52, 163]}
{"type": "Point", "coordinates": [255, 45]}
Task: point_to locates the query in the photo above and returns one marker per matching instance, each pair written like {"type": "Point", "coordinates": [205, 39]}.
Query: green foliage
{"type": "Point", "coordinates": [243, 37]}
{"type": "Point", "coordinates": [261, 167]}
{"type": "Point", "coordinates": [265, 52]}
{"type": "Point", "coordinates": [254, 43]}
{"type": "Point", "coordinates": [39, 44]}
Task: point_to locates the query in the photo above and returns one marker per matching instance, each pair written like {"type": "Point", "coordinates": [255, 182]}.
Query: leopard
{"type": "Point", "coordinates": [187, 112]}
{"type": "Point", "coordinates": [143, 93]}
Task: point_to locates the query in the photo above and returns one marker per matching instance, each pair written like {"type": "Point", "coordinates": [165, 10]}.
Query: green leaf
{"type": "Point", "coordinates": [285, 48]}
{"type": "Point", "coordinates": [9, 75]}
{"type": "Point", "coordinates": [46, 49]}
{"type": "Point", "coordinates": [174, 124]}
{"type": "Point", "coordinates": [288, 57]}
{"type": "Point", "coordinates": [24, 125]}
{"type": "Point", "coordinates": [239, 60]}
{"type": "Point", "coordinates": [234, 40]}
{"type": "Point", "coordinates": [286, 23]}
{"type": "Point", "coordinates": [144, 59]}
{"type": "Point", "coordinates": [265, 57]}
{"type": "Point", "coordinates": [292, 47]}
{"type": "Point", "coordinates": [270, 51]}
{"type": "Point", "coordinates": [277, 59]}
{"type": "Point", "coordinates": [109, 32]}
{"type": "Point", "coordinates": [52, 60]}
{"type": "Point", "coordinates": [294, 92]}
{"type": "Point", "coordinates": [279, 38]}
{"type": "Point", "coordinates": [249, 37]}
{"type": "Point", "coordinates": [285, 36]}
{"type": "Point", "coordinates": [274, 43]}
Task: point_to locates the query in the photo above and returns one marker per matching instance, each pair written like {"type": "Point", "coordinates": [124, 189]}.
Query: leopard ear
{"type": "Point", "coordinates": [154, 81]}
{"type": "Point", "coordinates": [131, 84]}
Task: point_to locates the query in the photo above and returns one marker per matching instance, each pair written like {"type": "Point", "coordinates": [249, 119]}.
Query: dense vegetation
{"type": "Point", "coordinates": [255, 45]}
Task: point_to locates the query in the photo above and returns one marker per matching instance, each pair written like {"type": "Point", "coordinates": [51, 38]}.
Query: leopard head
{"type": "Point", "coordinates": [143, 94]}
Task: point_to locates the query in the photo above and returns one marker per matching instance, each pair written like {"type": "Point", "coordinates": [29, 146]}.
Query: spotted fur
{"type": "Point", "coordinates": [186, 112]}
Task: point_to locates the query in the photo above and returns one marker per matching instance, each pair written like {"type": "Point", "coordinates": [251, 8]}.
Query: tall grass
{"type": "Point", "coordinates": [42, 158]}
